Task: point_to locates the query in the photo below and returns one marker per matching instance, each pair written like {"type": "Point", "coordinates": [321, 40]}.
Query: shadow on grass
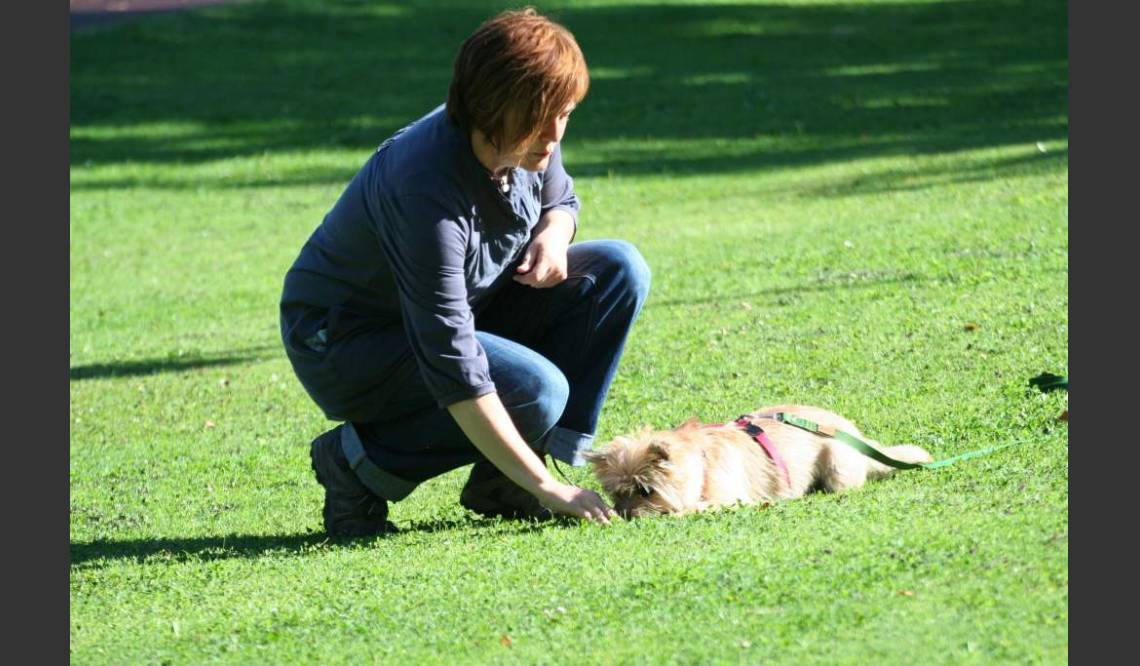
{"type": "Point", "coordinates": [156, 366]}
{"type": "Point", "coordinates": [712, 88]}
{"type": "Point", "coordinates": [828, 283]}
{"type": "Point", "coordinates": [96, 553]}
{"type": "Point", "coordinates": [918, 178]}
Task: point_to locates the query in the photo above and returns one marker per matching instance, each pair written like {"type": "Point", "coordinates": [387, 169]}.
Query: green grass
{"type": "Point", "coordinates": [827, 194]}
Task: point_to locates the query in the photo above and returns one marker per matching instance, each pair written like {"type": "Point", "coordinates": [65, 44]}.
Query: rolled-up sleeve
{"type": "Point", "coordinates": [426, 246]}
{"type": "Point", "coordinates": [558, 188]}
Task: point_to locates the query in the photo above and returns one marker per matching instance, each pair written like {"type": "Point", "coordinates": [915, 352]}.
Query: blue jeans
{"type": "Point", "coordinates": [552, 353]}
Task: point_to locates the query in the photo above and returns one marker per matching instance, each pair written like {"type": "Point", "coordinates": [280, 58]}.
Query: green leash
{"type": "Point", "coordinates": [871, 452]}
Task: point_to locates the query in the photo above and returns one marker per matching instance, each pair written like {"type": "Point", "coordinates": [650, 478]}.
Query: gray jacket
{"type": "Point", "coordinates": [417, 243]}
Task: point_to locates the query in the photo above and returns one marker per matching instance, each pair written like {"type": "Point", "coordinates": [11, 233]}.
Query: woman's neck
{"type": "Point", "coordinates": [488, 156]}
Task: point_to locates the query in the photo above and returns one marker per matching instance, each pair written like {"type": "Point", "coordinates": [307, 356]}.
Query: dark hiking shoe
{"type": "Point", "coordinates": [488, 492]}
{"type": "Point", "coordinates": [350, 508]}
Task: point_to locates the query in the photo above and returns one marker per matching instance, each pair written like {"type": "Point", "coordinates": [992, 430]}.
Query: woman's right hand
{"type": "Point", "coordinates": [578, 502]}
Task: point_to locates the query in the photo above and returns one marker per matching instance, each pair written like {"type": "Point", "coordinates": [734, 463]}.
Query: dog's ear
{"type": "Point", "coordinates": [692, 422]}
{"type": "Point", "coordinates": [657, 452]}
{"type": "Point", "coordinates": [597, 457]}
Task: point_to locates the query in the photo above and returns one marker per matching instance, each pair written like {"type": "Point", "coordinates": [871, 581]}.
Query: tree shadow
{"type": "Point", "coordinates": [926, 177]}
{"type": "Point", "coordinates": [828, 283]}
{"type": "Point", "coordinates": [160, 365]}
{"type": "Point", "coordinates": [675, 89]}
{"type": "Point", "coordinates": [230, 546]}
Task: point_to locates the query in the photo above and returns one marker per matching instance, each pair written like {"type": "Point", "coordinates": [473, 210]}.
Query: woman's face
{"type": "Point", "coordinates": [535, 155]}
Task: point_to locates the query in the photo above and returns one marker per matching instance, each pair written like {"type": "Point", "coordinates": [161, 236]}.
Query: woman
{"type": "Point", "coordinates": [439, 309]}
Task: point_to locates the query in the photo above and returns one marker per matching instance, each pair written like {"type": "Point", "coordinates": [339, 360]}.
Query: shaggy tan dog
{"type": "Point", "coordinates": [696, 467]}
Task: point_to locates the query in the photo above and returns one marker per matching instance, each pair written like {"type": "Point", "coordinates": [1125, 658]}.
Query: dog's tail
{"type": "Point", "coordinates": [908, 453]}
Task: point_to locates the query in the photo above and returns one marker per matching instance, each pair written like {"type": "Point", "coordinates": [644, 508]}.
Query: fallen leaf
{"type": "Point", "coordinates": [971, 326]}
{"type": "Point", "coordinates": [506, 640]}
{"type": "Point", "coordinates": [745, 644]}
{"type": "Point", "coordinates": [746, 305]}
{"type": "Point", "coordinates": [225, 382]}
{"type": "Point", "coordinates": [210, 424]}
{"type": "Point", "coordinates": [906, 593]}
{"type": "Point", "coordinates": [1064, 416]}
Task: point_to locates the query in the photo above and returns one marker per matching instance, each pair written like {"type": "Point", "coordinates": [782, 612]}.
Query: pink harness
{"type": "Point", "coordinates": [757, 433]}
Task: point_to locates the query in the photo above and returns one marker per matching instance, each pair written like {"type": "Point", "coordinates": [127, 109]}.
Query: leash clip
{"type": "Point", "coordinates": [745, 422]}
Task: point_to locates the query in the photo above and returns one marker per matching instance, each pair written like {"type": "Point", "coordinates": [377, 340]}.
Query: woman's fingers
{"type": "Point", "coordinates": [544, 271]}
{"type": "Point", "coordinates": [581, 503]}
{"type": "Point", "coordinates": [539, 269]}
{"type": "Point", "coordinates": [597, 510]}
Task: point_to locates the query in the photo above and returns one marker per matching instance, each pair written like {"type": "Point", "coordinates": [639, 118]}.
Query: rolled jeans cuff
{"type": "Point", "coordinates": [568, 446]}
{"type": "Point", "coordinates": [381, 482]}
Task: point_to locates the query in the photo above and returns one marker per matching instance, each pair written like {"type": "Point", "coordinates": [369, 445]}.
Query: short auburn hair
{"type": "Point", "coordinates": [515, 72]}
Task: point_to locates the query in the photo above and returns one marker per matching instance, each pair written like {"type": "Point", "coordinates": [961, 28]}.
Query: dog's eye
{"type": "Point", "coordinates": [644, 491]}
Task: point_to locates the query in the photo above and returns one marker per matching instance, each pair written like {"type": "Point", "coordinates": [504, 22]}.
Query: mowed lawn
{"type": "Point", "coordinates": [857, 205]}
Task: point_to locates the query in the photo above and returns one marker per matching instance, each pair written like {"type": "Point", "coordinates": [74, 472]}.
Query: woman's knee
{"type": "Point", "coordinates": [535, 396]}
{"type": "Point", "coordinates": [621, 264]}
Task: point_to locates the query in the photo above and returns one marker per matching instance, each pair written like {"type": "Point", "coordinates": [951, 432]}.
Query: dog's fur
{"type": "Point", "coordinates": [695, 467]}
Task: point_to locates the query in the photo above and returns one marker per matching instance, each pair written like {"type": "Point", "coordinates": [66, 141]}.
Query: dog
{"type": "Point", "coordinates": [697, 467]}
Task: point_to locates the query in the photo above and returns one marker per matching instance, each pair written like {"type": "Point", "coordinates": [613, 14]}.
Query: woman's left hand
{"type": "Point", "coordinates": [544, 262]}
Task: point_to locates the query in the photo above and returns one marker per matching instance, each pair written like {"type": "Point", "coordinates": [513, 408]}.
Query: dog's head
{"type": "Point", "coordinates": [640, 475]}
